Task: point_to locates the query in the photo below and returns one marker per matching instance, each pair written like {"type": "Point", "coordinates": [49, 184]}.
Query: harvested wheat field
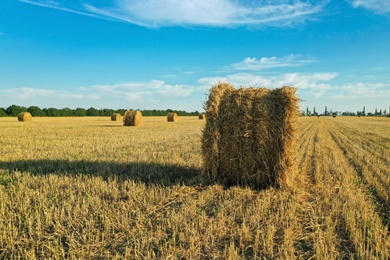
{"type": "Point", "coordinates": [83, 188]}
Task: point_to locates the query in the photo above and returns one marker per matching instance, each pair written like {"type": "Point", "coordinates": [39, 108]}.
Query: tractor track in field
{"type": "Point", "coordinates": [378, 177]}
{"type": "Point", "coordinates": [371, 146]}
{"type": "Point", "coordinates": [381, 202]}
{"type": "Point", "coordinates": [320, 189]}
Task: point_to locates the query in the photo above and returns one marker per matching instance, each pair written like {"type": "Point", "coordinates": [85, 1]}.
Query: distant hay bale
{"type": "Point", "coordinates": [25, 117]}
{"type": "Point", "coordinates": [249, 137]}
{"type": "Point", "coordinates": [172, 117]}
{"type": "Point", "coordinates": [202, 116]}
{"type": "Point", "coordinates": [116, 117]}
{"type": "Point", "coordinates": [132, 118]}
{"type": "Point", "coordinates": [334, 115]}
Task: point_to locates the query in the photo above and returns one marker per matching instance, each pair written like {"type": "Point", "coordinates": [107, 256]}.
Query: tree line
{"type": "Point", "coordinates": [363, 112]}
{"type": "Point", "coordinates": [15, 110]}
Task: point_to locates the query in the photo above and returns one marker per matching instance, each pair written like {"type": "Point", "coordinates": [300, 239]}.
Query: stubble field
{"type": "Point", "coordinates": [90, 188]}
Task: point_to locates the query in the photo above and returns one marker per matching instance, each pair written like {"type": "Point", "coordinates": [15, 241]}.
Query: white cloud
{"type": "Point", "coordinates": [215, 13]}
{"type": "Point", "coordinates": [56, 5]}
{"type": "Point", "coordinates": [139, 91]}
{"type": "Point", "coordinates": [250, 63]}
{"type": "Point", "coordinates": [377, 6]}
{"type": "Point", "coordinates": [31, 93]}
{"type": "Point", "coordinates": [299, 80]}
{"type": "Point", "coordinates": [156, 91]}
{"type": "Point", "coordinates": [362, 90]}
{"type": "Point", "coordinates": [315, 84]}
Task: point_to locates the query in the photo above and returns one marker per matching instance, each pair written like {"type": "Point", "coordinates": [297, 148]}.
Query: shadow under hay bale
{"type": "Point", "coordinates": [116, 117]}
{"type": "Point", "coordinates": [132, 118]}
{"type": "Point", "coordinates": [24, 117]}
{"type": "Point", "coordinates": [249, 137]}
{"type": "Point", "coordinates": [202, 116]}
{"type": "Point", "coordinates": [172, 117]}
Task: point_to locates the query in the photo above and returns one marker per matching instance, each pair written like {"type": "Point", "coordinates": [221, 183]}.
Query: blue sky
{"type": "Point", "coordinates": [154, 54]}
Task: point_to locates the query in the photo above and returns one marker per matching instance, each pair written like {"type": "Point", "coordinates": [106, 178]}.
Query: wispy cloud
{"type": "Point", "coordinates": [31, 93]}
{"type": "Point", "coordinates": [362, 90]}
{"type": "Point", "coordinates": [215, 13]}
{"type": "Point", "coordinates": [315, 84]}
{"type": "Point", "coordinates": [255, 64]}
{"type": "Point", "coordinates": [312, 87]}
{"type": "Point", "coordinates": [377, 6]}
{"type": "Point", "coordinates": [56, 5]}
{"type": "Point", "coordinates": [138, 91]}
{"type": "Point", "coordinates": [155, 91]}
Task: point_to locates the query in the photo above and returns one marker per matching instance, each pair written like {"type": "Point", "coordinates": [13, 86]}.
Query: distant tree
{"type": "Point", "coordinates": [15, 110]}
{"type": "Point", "coordinates": [36, 111]}
{"type": "Point", "coordinates": [52, 111]}
{"type": "Point", "coordinates": [2, 112]}
{"type": "Point", "coordinates": [326, 111]}
{"type": "Point", "coordinates": [80, 112]}
{"type": "Point", "coordinates": [92, 112]}
{"type": "Point", "coordinates": [106, 112]}
{"type": "Point", "coordinates": [364, 111]}
{"type": "Point", "coordinates": [121, 111]}
{"type": "Point", "coordinates": [146, 113]}
{"type": "Point", "coordinates": [66, 111]}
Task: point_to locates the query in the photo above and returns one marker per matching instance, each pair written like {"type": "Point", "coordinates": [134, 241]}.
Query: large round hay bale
{"type": "Point", "coordinates": [202, 116]}
{"type": "Point", "coordinates": [25, 117]}
{"type": "Point", "coordinates": [132, 118]}
{"type": "Point", "coordinates": [172, 117]}
{"type": "Point", "coordinates": [249, 136]}
{"type": "Point", "coordinates": [334, 115]}
{"type": "Point", "coordinates": [116, 117]}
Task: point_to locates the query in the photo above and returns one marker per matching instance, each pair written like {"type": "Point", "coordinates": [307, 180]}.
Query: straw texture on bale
{"type": "Point", "coordinates": [202, 116]}
{"type": "Point", "coordinates": [249, 136]}
{"type": "Point", "coordinates": [132, 118]}
{"type": "Point", "coordinates": [25, 117]}
{"type": "Point", "coordinates": [172, 117]}
{"type": "Point", "coordinates": [116, 117]}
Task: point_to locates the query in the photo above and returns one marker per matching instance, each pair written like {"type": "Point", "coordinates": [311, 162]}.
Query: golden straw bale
{"type": "Point", "coordinates": [249, 136]}
{"type": "Point", "coordinates": [116, 117]}
{"type": "Point", "coordinates": [25, 117]}
{"type": "Point", "coordinates": [132, 118]}
{"type": "Point", "coordinates": [172, 117]}
{"type": "Point", "coordinates": [202, 116]}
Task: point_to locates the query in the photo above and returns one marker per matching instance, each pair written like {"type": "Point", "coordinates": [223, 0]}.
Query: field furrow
{"type": "Point", "coordinates": [377, 175]}
{"type": "Point", "coordinates": [334, 192]}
